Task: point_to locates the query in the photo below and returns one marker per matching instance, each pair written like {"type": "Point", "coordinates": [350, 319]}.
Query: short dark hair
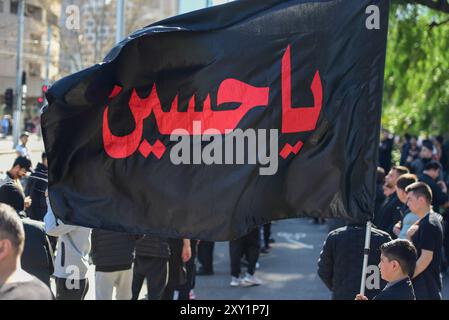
{"type": "Point", "coordinates": [11, 227]}
{"type": "Point", "coordinates": [403, 251]}
{"type": "Point", "coordinates": [24, 134]}
{"type": "Point", "coordinates": [405, 180]}
{"type": "Point", "coordinates": [428, 144]}
{"type": "Point", "coordinates": [421, 189]}
{"type": "Point", "coordinates": [401, 170]}
{"type": "Point", "coordinates": [432, 165]}
{"type": "Point", "coordinates": [23, 162]}
{"type": "Point", "coordinates": [380, 177]}
{"type": "Point", "coordinates": [13, 196]}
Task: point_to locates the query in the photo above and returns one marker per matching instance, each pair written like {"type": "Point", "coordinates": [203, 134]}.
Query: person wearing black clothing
{"type": "Point", "coordinates": [341, 260]}
{"type": "Point", "coordinates": [249, 245]}
{"type": "Point", "coordinates": [380, 196]}
{"type": "Point", "coordinates": [430, 175]}
{"type": "Point", "coordinates": [390, 212]}
{"type": "Point", "coordinates": [37, 257]}
{"type": "Point", "coordinates": [410, 152]}
{"type": "Point", "coordinates": [397, 263]}
{"type": "Point", "coordinates": [36, 186]}
{"type": "Point", "coordinates": [266, 238]}
{"type": "Point", "coordinates": [445, 159]}
{"type": "Point", "coordinates": [425, 155]}
{"type": "Point", "coordinates": [206, 258]}
{"type": "Point", "coordinates": [427, 236]}
{"type": "Point", "coordinates": [186, 290]}
{"type": "Point", "coordinates": [177, 276]}
{"type": "Point", "coordinates": [385, 149]}
{"type": "Point", "coordinates": [15, 283]}
{"type": "Point", "coordinates": [112, 254]}
{"type": "Point", "coordinates": [401, 290]}
{"type": "Point", "coordinates": [150, 263]}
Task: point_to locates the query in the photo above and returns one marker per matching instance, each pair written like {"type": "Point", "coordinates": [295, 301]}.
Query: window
{"type": "Point", "coordinates": [33, 12]}
{"type": "Point", "coordinates": [34, 69]}
{"type": "Point", "coordinates": [35, 38]}
{"type": "Point", "coordinates": [52, 18]}
{"type": "Point", "coordinates": [14, 7]}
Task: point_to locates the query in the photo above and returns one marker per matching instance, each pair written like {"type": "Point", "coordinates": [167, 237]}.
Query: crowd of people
{"type": "Point", "coordinates": [46, 250]}
{"type": "Point", "coordinates": [410, 220]}
{"type": "Point", "coordinates": [411, 205]}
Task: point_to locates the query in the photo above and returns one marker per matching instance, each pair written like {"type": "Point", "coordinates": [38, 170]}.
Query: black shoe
{"type": "Point", "coordinates": [264, 250]}
{"type": "Point", "coordinates": [271, 240]}
{"type": "Point", "coordinates": [203, 272]}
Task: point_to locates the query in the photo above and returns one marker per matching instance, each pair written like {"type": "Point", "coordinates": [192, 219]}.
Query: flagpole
{"type": "Point", "coordinates": [120, 21]}
{"type": "Point", "coordinates": [365, 258]}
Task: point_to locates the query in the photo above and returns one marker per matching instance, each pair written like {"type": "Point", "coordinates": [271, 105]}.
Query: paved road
{"type": "Point", "coordinates": [288, 272]}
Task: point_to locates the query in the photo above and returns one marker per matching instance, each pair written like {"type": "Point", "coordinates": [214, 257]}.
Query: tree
{"type": "Point", "coordinates": [439, 5]}
{"type": "Point", "coordinates": [416, 94]}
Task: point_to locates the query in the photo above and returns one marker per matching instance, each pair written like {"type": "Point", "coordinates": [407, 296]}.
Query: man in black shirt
{"type": "Point", "coordinates": [427, 236]}
{"type": "Point", "coordinates": [35, 189]}
{"type": "Point", "coordinates": [390, 211]}
{"type": "Point", "coordinates": [430, 175]}
{"type": "Point", "coordinates": [15, 283]}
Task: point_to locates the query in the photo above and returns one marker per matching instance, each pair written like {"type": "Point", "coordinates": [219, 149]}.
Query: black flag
{"type": "Point", "coordinates": [207, 124]}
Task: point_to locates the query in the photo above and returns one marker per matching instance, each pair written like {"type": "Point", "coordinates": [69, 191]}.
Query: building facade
{"type": "Point", "coordinates": [41, 19]}
{"type": "Point", "coordinates": [89, 43]}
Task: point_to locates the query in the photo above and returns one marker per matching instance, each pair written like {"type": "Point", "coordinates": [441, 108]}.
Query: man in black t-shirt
{"type": "Point", "coordinates": [15, 283]}
{"type": "Point", "coordinates": [430, 176]}
{"type": "Point", "coordinates": [427, 236]}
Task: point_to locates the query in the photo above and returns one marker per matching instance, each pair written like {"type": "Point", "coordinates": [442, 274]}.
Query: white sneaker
{"type": "Point", "coordinates": [235, 282]}
{"type": "Point", "coordinates": [251, 280]}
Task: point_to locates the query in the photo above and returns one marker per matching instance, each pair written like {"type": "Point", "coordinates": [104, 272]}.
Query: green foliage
{"type": "Point", "coordinates": [416, 91]}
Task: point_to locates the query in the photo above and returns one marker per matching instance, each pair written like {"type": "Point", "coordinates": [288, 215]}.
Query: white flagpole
{"type": "Point", "coordinates": [365, 258]}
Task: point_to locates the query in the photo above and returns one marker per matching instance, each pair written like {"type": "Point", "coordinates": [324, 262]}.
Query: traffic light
{"type": "Point", "coordinates": [41, 99]}
{"type": "Point", "coordinates": [24, 78]}
{"type": "Point", "coordinates": [9, 100]}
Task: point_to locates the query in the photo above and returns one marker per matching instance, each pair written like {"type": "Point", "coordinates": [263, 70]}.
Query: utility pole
{"type": "Point", "coordinates": [18, 109]}
{"type": "Point", "coordinates": [48, 57]}
{"type": "Point", "coordinates": [209, 3]}
{"type": "Point", "coordinates": [120, 21]}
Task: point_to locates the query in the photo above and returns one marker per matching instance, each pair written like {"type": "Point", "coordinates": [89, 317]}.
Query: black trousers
{"type": "Point", "coordinates": [446, 237]}
{"type": "Point", "coordinates": [206, 255]}
{"type": "Point", "coordinates": [248, 245]}
{"type": "Point", "coordinates": [184, 289]}
{"type": "Point", "coordinates": [176, 271]}
{"type": "Point", "coordinates": [155, 271]}
{"type": "Point", "coordinates": [64, 290]}
{"type": "Point", "coordinates": [266, 234]}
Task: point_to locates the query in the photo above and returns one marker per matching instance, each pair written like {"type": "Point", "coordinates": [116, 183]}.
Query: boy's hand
{"type": "Point", "coordinates": [360, 297]}
{"type": "Point", "coordinates": [186, 250]}
{"type": "Point", "coordinates": [27, 202]}
{"type": "Point", "coordinates": [397, 228]}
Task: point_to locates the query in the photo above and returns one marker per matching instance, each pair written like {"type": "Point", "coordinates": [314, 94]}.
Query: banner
{"type": "Point", "coordinates": [208, 124]}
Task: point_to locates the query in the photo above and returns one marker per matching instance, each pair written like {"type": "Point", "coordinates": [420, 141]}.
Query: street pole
{"type": "Point", "coordinates": [209, 3]}
{"type": "Point", "coordinates": [365, 257]}
{"type": "Point", "coordinates": [18, 108]}
{"type": "Point", "coordinates": [48, 58]}
{"type": "Point", "coordinates": [120, 16]}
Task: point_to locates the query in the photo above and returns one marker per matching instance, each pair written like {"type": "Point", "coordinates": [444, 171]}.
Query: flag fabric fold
{"type": "Point", "coordinates": [210, 123]}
